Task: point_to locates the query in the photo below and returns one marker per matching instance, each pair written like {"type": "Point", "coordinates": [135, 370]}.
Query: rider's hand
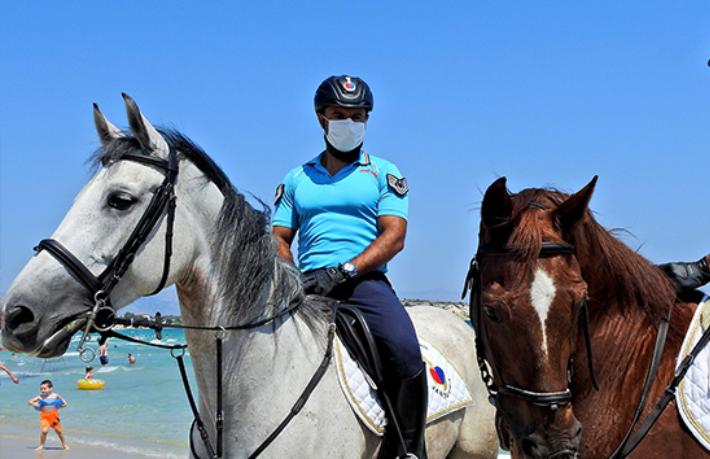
{"type": "Point", "coordinates": [687, 276]}
{"type": "Point", "coordinates": [322, 281]}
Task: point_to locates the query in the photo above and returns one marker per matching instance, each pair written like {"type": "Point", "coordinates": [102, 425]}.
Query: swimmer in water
{"type": "Point", "coordinates": [103, 350]}
{"type": "Point", "coordinates": [9, 373]}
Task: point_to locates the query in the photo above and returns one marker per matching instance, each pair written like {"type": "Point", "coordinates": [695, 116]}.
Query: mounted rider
{"type": "Point", "coordinates": [349, 209]}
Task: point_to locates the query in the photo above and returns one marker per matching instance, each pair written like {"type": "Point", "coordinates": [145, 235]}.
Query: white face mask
{"type": "Point", "coordinates": [345, 135]}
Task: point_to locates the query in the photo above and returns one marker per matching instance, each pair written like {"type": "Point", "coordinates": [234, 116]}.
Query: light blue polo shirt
{"type": "Point", "coordinates": [336, 216]}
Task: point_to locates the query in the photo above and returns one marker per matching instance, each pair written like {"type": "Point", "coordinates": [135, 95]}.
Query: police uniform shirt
{"type": "Point", "coordinates": [336, 216]}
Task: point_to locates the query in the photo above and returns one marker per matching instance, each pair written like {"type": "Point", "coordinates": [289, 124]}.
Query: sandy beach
{"type": "Point", "coordinates": [18, 444]}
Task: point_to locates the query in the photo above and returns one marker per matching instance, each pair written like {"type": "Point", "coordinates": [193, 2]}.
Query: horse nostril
{"type": "Point", "coordinates": [18, 320]}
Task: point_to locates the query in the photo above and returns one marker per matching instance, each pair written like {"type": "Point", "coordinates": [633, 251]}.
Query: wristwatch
{"type": "Point", "coordinates": [348, 269]}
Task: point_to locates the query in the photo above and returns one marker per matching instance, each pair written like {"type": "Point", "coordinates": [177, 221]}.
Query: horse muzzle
{"type": "Point", "coordinates": [23, 331]}
{"type": "Point", "coordinates": [554, 445]}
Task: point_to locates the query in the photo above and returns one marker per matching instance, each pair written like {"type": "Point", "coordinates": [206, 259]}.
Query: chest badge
{"type": "Point", "coordinates": [398, 185]}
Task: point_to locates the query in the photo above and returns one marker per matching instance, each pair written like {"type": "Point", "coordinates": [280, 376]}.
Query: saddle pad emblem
{"type": "Point", "coordinates": [437, 375]}
{"type": "Point", "coordinates": [447, 390]}
{"type": "Point", "coordinates": [441, 386]}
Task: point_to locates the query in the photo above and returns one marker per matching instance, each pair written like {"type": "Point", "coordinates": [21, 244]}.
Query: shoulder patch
{"type": "Point", "coordinates": [279, 193]}
{"type": "Point", "coordinates": [398, 185]}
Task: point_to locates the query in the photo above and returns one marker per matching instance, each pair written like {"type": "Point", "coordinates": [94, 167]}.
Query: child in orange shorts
{"type": "Point", "coordinates": [48, 404]}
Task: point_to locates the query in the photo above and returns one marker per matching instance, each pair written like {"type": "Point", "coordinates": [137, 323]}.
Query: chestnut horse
{"type": "Point", "coordinates": [545, 273]}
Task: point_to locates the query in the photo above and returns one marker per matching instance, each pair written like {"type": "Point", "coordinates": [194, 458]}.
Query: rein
{"type": "Point", "coordinates": [102, 315]}
{"type": "Point", "coordinates": [158, 325]}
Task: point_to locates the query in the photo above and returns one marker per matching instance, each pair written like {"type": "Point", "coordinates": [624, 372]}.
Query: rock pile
{"type": "Point", "coordinates": [458, 308]}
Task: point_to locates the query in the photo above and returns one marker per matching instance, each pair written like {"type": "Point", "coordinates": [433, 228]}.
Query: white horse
{"type": "Point", "coordinates": [227, 272]}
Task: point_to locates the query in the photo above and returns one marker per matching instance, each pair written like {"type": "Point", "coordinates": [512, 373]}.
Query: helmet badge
{"type": "Point", "coordinates": [349, 85]}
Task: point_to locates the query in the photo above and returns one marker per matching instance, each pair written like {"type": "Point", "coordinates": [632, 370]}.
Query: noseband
{"type": "Point", "coordinates": [550, 400]}
{"type": "Point", "coordinates": [100, 287]}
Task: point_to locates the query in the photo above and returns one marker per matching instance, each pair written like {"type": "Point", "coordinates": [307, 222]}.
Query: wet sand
{"type": "Point", "coordinates": [18, 444]}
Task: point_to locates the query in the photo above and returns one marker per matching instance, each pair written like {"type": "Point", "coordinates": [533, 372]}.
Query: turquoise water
{"type": "Point", "coordinates": [143, 406]}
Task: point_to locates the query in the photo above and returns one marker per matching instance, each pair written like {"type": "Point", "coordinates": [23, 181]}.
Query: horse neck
{"type": "Point", "coordinates": [628, 297]}
{"type": "Point", "coordinates": [261, 369]}
{"type": "Point", "coordinates": [255, 361]}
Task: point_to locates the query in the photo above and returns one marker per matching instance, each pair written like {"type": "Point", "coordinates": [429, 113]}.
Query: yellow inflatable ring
{"type": "Point", "coordinates": [90, 384]}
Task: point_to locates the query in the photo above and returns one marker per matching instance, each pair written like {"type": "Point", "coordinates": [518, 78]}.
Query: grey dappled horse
{"type": "Point", "coordinates": [226, 271]}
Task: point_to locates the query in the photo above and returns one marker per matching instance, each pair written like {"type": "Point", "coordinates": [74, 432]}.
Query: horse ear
{"type": "Point", "coordinates": [149, 137]}
{"type": "Point", "coordinates": [572, 210]}
{"type": "Point", "coordinates": [106, 130]}
{"type": "Point", "coordinates": [497, 207]}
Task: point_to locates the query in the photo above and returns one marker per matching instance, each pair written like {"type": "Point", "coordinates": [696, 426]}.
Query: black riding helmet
{"type": "Point", "coordinates": [344, 91]}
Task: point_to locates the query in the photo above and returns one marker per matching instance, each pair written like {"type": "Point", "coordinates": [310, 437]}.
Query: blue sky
{"type": "Point", "coordinates": [545, 93]}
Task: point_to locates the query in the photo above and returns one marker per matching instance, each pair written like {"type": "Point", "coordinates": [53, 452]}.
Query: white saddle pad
{"type": "Point", "coordinates": [447, 391]}
{"type": "Point", "coordinates": [693, 395]}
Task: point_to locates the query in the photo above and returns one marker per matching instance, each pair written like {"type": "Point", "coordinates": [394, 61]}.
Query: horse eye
{"type": "Point", "coordinates": [492, 313]}
{"type": "Point", "coordinates": [120, 200]}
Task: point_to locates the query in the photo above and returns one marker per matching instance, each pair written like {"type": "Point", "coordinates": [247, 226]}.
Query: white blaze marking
{"type": "Point", "coordinates": [542, 292]}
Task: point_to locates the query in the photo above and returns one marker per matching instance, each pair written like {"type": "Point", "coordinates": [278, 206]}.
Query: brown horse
{"type": "Point", "coordinates": [542, 260]}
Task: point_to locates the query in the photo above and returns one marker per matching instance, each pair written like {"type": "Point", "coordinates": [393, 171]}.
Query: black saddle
{"type": "Point", "coordinates": [691, 296]}
{"type": "Point", "coordinates": [354, 333]}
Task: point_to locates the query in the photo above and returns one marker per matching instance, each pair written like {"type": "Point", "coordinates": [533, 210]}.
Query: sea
{"type": "Point", "coordinates": [142, 410]}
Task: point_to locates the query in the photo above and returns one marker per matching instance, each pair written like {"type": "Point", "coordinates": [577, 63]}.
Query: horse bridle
{"type": "Point", "coordinates": [102, 315]}
{"type": "Point", "coordinates": [100, 287]}
{"type": "Point", "coordinates": [551, 400]}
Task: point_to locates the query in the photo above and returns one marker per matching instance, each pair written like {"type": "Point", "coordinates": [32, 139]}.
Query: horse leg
{"type": "Point", "coordinates": [477, 434]}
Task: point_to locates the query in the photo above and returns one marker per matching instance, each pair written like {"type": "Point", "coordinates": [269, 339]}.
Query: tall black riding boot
{"type": "Point", "coordinates": [409, 399]}
{"type": "Point", "coordinates": [410, 402]}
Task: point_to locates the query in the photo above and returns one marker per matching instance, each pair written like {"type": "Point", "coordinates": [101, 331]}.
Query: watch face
{"type": "Point", "coordinates": [349, 269]}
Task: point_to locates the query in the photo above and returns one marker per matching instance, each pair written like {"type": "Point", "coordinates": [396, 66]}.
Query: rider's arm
{"type": "Point", "coordinates": [688, 275]}
{"type": "Point", "coordinates": [284, 237]}
{"type": "Point", "coordinates": [285, 220]}
{"type": "Point", "coordinates": [388, 244]}
{"type": "Point", "coordinates": [392, 210]}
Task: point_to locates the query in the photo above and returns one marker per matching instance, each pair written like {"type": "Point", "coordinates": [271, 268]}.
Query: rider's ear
{"type": "Point", "coordinates": [570, 212]}
{"type": "Point", "coordinates": [149, 137]}
{"type": "Point", "coordinates": [104, 128]}
{"type": "Point", "coordinates": [497, 207]}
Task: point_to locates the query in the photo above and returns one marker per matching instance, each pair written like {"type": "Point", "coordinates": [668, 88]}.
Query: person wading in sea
{"type": "Point", "coordinates": [12, 377]}
{"type": "Point", "coordinates": [349, 209]}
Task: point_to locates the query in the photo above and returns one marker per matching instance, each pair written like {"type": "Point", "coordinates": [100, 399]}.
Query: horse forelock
{"type": "Point", "coordinates": [252, 280]}
{"type": "Point", "coordinates": [527, 235]}
{"type": "Point", "coordinates": [617, 276]}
